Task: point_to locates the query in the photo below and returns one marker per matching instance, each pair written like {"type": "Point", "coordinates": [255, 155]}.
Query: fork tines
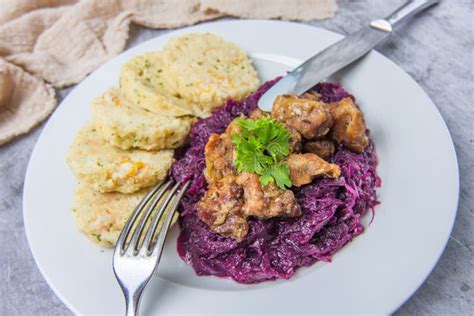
{"type": "Point", "coordinates": [151, 219]}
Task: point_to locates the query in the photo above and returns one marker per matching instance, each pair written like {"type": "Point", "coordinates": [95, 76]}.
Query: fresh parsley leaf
{"type": "Point", "coordinates": [248, 125]}
{"type": "Point", "coordinates": [266, 178]}
{"type": "Point", "coordinates": [281, 174]}
{"type": "Point", "coordinates": [261, 147]}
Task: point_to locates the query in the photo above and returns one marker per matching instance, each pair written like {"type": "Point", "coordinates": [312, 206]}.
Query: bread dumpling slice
{"type": "Point", "coordinates": [106, 168]}
{"type": "Point", "coordinates": [126, 126]}
{"type": "Point", "coordinates": [207, 70]}
{"type": "Point", "coordinates": [143, 84]}
{"type": "Point", "coordinates": [101, 216]}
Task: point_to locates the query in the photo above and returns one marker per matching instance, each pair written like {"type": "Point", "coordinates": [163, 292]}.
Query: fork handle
{"type": "Point", "coordinates": [132, 302]}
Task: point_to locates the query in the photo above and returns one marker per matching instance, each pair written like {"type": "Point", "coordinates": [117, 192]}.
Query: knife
{"type": "Point", "coordinates": [340, 54]}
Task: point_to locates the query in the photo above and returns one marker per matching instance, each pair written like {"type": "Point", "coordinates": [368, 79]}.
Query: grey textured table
{"type": "Point", "coordinates": [436, 49]}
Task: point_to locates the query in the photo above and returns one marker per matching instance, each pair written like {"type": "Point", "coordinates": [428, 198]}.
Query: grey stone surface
{"type": "Point", "coordinates": [436, 49]}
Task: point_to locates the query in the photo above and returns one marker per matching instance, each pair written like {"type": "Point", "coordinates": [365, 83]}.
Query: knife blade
{"type": "Point", "coordinates": [340, 54]}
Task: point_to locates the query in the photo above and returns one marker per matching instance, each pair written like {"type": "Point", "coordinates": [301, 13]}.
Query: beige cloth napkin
{"type": "Point", "coordinates": [45, 43]}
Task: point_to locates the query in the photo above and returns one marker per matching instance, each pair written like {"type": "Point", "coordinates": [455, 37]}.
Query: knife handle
{"type": "Point", "coordinates": [409, 9]}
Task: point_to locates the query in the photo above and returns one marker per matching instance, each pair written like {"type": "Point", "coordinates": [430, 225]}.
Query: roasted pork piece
{"type": "Point", "coordinates": [310, 118]}
{"type": "Point", "coordinates": [349, 126]}
{"type": "Point", "coordinates": [228, 203]}
{"type": "Point", "coordinates": [221, 208]}
{"type": "Point", "coordinates": [219, 153]}
{"type": "Point", "coordinates": [306, 167]}
{"type": "Point", "coordinates": [266, 201]}
{"type": "Point", "coordinates": [324, 148]}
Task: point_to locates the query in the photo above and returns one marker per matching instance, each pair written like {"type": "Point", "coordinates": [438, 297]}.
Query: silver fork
{"type": "Point", "coordinates": [136, 258]}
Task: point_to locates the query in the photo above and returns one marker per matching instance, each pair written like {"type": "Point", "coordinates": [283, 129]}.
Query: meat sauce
{"type": "Point", "coordinates": [231, 198]}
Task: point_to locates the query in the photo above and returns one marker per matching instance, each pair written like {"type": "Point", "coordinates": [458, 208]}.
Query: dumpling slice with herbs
{"type": "Point", "coordinates": [101, 216]}
{"type": "Point", "coordinates": [208, 70]}
{"type": "Point", "coordinates": [107, 168]}
{"type": "Point", "coordinates": [126, 126]}
{"type": "Point", "coordinates": [142, 82]}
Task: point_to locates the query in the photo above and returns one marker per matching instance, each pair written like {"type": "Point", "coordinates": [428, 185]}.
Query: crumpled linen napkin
{"type": "Point", "coordinates": [46, 43]}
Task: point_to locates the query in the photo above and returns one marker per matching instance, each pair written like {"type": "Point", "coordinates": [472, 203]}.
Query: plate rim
{"type": "Point", "coordinates": [191, 27]}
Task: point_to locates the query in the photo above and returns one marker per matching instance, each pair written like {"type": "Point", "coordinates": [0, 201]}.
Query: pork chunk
{"type": "Point", "coordinates": [233, 128]}
{"type": "Point", "coordinates": [230, 201]}
{"type": "Point", "coordinates": [311, 95]}
{"type": "Point", "coordinates": [349, 126]}
{"type": "Point", "coordinates": [219, 154]}
{"type": "Point", "coordinates": [324, 148]}
{"type": "Point", "coordinates": [266, 201]}
{"type": "Point", "coordinates": [258, 113]}
{"type": "Point", "coordinates": [310, 118]}
{"type": "Point", "coordinates": [221, 208]}
{"type": "Point", "coordinates": [294, 144]}
{"type": "Point", "coordinates": [306, 167]}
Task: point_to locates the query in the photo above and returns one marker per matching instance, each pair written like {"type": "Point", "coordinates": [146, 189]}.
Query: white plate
{"type": "Point", "coordinates": [376, 272]}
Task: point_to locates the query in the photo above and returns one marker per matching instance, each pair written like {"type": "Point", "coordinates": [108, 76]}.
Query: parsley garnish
{"type": "Point", "coordinates": [261, 147]}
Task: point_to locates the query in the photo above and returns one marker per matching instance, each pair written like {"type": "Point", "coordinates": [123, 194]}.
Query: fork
{"type": "Point", "coordinates": [136, 258]}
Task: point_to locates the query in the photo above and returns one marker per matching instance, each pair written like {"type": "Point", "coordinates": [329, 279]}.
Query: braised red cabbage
{"type": "Point", "coordinates": [275, 248]}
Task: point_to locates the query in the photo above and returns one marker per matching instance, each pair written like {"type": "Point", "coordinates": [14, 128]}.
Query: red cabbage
{"type": "Point", "coordinates": [275, 248]}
